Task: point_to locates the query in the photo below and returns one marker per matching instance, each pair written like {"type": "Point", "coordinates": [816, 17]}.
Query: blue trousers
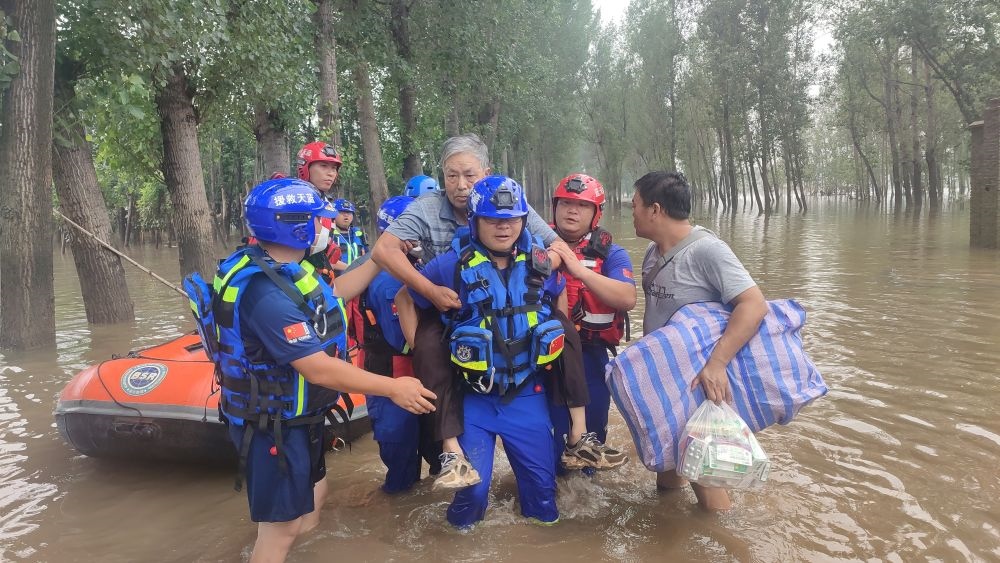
{"type": "Point", "coordinates": [397, 432]}
{"type": "Point", "coordinates": [523, 426]}
{"type": "Point", "coordinates": [595, 359]}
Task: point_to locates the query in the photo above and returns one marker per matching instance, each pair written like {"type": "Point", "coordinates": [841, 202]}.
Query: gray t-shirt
{"type": "Point", "coordinates": [706, 270]}
{"type": "Point", "coordinates": [431, 220]}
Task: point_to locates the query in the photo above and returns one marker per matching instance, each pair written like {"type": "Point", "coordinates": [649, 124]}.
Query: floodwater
{"type": "Point", "coordinates": [897, 463]}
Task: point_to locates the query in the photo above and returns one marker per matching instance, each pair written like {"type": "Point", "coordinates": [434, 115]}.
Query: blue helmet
{"type": "Point", "coordinates": [419, 185]}
{"type": "Point", "coordinates": [344, 206]}
{"type": "Point", "coordinates": [390, 210]}
{"type": "Point", "coordinates": [282, 211]}
{"type": "Point", "coordinates": [498, 197]}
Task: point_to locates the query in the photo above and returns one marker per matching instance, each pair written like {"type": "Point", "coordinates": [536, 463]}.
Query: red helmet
{"type": "Point", "coordinates": [583, 188]}
{"type": "Point", "coordinates": [317, 151]}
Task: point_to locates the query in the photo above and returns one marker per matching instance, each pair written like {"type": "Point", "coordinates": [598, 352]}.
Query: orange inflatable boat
{"type": "Point", "coordinates": [161, 403]}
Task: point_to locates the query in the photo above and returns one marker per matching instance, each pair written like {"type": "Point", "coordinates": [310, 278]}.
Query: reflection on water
{"type": "Point", "coordinates": [896, 463]}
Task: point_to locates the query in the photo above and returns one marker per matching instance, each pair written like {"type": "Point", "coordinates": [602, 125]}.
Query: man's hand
{"type": "Point", "coordinates": [444, 298]}
{"type": "Point", "coordinates": [555, 256]}
{"type": "Point", "coordinates": [411, 395]}
{"type": "Point", "coordinates": [570, 263]}
{"type": "Point", "coordinates": [715, 382]}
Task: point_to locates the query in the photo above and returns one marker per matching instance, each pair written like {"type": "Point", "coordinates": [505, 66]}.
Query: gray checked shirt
{"type": "Point", "coordinates": [431, 220]}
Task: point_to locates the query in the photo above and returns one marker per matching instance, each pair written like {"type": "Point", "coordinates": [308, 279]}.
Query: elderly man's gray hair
{"type": "Point", "coordinates": [468, 142]}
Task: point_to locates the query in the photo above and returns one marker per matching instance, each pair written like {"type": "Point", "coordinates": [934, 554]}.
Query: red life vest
{"type": "Point", "coordinates": [596, 322]}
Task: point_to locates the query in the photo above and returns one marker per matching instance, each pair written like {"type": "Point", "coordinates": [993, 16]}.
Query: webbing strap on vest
{"type": "Point", "coordinates": [277, 426]}
{"type": "Point", "coordinates": [285, 286]}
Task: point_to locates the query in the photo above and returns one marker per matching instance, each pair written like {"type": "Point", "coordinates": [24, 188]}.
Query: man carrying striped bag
{"type": "Point", "coordinates": [685, 264]}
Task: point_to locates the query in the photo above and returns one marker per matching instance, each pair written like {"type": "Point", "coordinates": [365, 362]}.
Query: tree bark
{"type": "Point", "coordinates": [183, 174]}
{"type": "Point", "coordinates": [489, 121]}
{"type": "Point", "coordinates": [915, 175]}
{"type": "Point", "coordinates": [326, 49]}
{"type": "Point", "coordinates": [730, 159]}
{"type": "Point", "coordinates": [890, 127]}
{"type": "Point", "coordinates": [452, 121]}
{"type": "Point", "coordinates": [102, 276]}
{"type": "Point", "coordinates": [934, 188]}
{"type": "Point", "coordinates": [272, 142]}
{"type": "Point", "coordinates": [27, 294]}
{"type": "Point", "coordinates": [370, 143]}
{"type": "Point", "coordinates": [399, 25]}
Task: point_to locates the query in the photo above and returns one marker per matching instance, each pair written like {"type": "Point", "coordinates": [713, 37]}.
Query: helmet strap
{"type": "Point", "coordinates": [571, 242]}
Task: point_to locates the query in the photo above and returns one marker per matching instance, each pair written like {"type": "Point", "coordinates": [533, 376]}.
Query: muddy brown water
{"type": "Point", "coordinates": [897, 463]}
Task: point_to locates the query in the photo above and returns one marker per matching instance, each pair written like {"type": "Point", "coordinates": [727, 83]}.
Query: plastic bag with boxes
{"type": "Point", "coordinates": [719, 450]}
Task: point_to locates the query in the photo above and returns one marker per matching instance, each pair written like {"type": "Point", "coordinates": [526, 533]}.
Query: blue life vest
{"type": "Point", "coordinates": [353, 244]}
{"type": "Point", "coordinates": [381, 330]}
{"type": "Point", "coordinates": [256, 390]}
{"type": "Point", "coordinates": [503, 333]}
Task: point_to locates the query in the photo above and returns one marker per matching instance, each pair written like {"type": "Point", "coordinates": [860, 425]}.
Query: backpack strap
{"type": "Point", "coordinates": [694, 236]}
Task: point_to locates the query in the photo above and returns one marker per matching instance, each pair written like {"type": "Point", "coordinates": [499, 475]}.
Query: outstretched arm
{"type": "Point", "coordinates": [349, 285]}
{"type": "Point", "coordinates": [390, 253]}
{"type": "Point", "coordinates": [334, 373]}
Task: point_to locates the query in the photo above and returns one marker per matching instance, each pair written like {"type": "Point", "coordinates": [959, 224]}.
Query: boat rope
{"type": "Point", "coordinates": [121, 254]}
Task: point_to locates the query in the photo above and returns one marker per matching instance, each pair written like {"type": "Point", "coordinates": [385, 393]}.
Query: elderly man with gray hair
{"type": "Point", "coordinates": [430, 223]}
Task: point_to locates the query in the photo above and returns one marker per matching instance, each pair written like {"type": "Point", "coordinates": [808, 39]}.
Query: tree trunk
{"type": "Point", "coordinates": [890, 127]}
{"type": "Point", "coordinates": [753, 183]}
{"type": "Point", "coordinates": [399, 25]}
{"type": "Point", "coordinates": [730, 159]}
{"type": "Point", "coordinates": [489, 121]}
{"type": "Point", "coordinates": [904, 148]}
{"type": "Point", "coordinates": [452, 121]}
{"type": "Point", "coordinates": [272, 142]}
{"type": "Point", "coordinates": [934, 188]}
{"type": "Point", "coordinates": [326, 49]}
{"type": "Point", "coordinates": [852, 126]}
{"type": "Point", "coordinates": [185, 181]}
{"type": "Point", "coordinates": [130, 220]}
{"type": "Point", "coordinates": [121, 223]}
{"type": "Point", "coordinates": [915, 175]}
{"type": "Point", "coordinates": [27, 293]}
{"type": "Point", "coordinates": [102, 276]}
{"type": "Point", "coordinates": [370, 143]}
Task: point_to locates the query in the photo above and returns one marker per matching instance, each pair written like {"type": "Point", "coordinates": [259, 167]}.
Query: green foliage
{"type": "Point", "coordinates": [677, 83]}
{"type": "Point", "coordinates": [9, 65]}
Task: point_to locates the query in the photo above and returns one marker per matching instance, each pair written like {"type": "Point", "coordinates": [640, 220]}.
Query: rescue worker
{"type": "Point", "coordinates": [319, 164]}
{"type": "Point", "coordinates": [502, 340]}
{"type": "Point", "coordinates": [385, 351]}
{"type": "Point", "coordinates": [432, 223]}
{"type": "Point", "coordinates": [419, 185]}
{"type": "Point", "coordinates": [600, 290]}
{"type": "Point", "coordinates": [276, 333]}
{"type": "Point", "coordinates": [349, 237]}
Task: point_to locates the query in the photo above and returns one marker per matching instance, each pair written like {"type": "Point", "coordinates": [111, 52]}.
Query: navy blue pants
{"type": "Point", "coordinates": [595, 359]}
{"type": "Point", "coordinates": [282, 496]}
{"type": "Point", "coordinates": [524, 427]}
{"type": "Point", "coordinates": [403, 441]}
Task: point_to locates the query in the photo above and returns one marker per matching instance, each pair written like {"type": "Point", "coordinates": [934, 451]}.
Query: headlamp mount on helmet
{"type": "Point", "coordinates": [329, 150]}
{"type": "Point", "coordinates": [575, 186]}
{"type": "Point", "coordinates": [504, 198]}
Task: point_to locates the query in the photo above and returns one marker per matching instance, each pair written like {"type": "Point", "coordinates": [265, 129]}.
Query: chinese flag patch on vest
{"type": "Point", "coordinates": [296, 332]}
{"type": "Point", "coordinates": [556, 345]}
